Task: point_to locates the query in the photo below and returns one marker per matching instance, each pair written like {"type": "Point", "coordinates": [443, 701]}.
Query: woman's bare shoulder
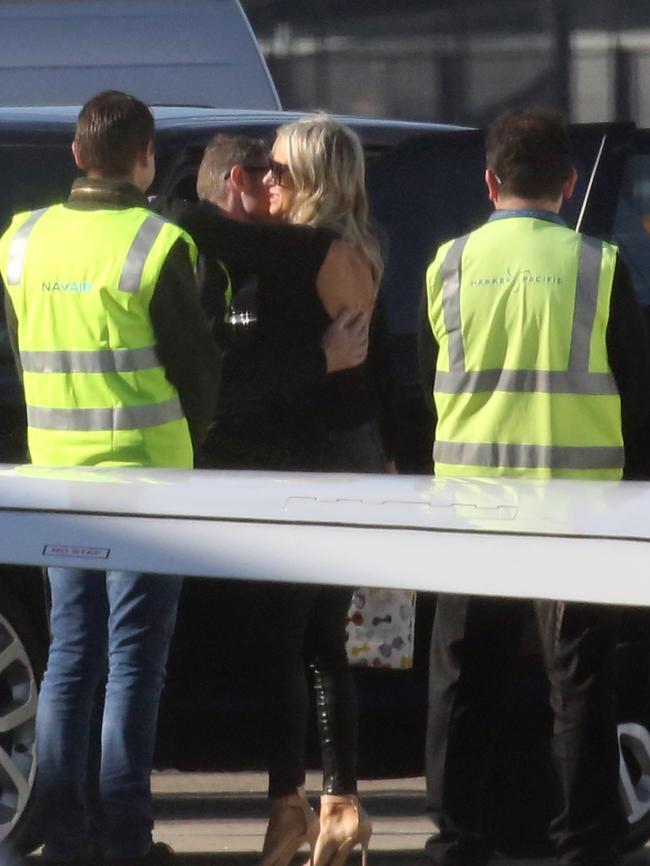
{"type": "Point", "coordinates": [345, 279]}
{"type": "Point", "coordinates": [345, 254]}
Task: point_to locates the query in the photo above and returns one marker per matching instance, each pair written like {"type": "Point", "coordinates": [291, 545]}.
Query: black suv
{"type": "Point", "coordinates": [426, 186]}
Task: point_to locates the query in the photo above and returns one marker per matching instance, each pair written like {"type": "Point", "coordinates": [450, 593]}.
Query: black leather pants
{"type": "Point", "coordinates": [305, 626]}
{"type": "Point", "coordinates": [302, 627]}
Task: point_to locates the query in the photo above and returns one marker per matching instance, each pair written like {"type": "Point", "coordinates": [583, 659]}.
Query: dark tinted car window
{"type": "Point", "coordinates": [584, 152]}
{"type": "Point", "coordinates": [422, 194]}
{"type": "Point", "coordinates": [33, 176]}
{"type": "Point", "coordinates": [632, 223]}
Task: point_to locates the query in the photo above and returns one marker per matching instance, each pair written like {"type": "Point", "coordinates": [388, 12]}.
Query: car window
{"type": "Point", "coordinates": [585, 148]}
{"type": "Point", "coordinates": [632, 222]}
{"type": "Point", "coordinates": [421, 194]}
{"type": "Point", "coordinates": [33, 176]}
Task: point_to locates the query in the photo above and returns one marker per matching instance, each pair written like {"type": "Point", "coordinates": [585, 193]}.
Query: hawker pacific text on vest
{"type": "Point", "coordinates": [525, 277]}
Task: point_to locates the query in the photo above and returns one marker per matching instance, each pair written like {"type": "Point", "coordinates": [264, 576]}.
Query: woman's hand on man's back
{"type": "Point", "coordinates": [345, 342]}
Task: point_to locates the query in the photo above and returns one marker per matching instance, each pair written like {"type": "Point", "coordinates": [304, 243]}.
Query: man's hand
{"type": "Point", "coordinates": [345, 342]}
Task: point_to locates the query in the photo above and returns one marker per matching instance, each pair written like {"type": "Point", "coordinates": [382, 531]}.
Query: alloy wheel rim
{"type": "Point", "coordinates": [18, 699]}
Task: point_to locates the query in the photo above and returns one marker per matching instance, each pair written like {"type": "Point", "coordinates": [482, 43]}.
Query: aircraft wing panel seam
{"type": "Point", "coordinates": [387, 527]}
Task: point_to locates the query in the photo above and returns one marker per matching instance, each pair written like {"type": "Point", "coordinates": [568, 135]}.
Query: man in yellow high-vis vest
{"type": "Point", "coordinates": [118, 368]}
{"type": "Point", "coordinates": [533, 348]}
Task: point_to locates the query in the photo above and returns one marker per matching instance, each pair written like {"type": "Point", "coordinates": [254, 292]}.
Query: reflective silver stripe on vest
{"type": "Point", "coordinates": [575, 380]}
{"type": "Point", "coordinates": [104, 361]}
{"type": "Point", "coordinates": [137, 256]}
{"type": "Point", "coordinates": [450, 273]}
{"type": "Point", "coordinates": [18, 247]}
{"type": "Point", "coordinates": [117, 418]}
{"type": "Point", "coordinates": [526, 381]}
{"type": "Point", "coordinates": [511, 456]}
{"type": "Point", "coordinates": [584, 316]}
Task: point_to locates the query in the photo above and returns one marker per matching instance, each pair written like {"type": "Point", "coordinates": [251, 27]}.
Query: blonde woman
{"type": "Point", "coordinates": [316, 178]}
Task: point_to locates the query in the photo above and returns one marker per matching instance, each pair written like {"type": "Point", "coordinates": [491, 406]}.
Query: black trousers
{"type": "Point", "coordinates": [302, 626]}
{"type": "Point", "coordinates": [473, 646]}
{"type": "Point", "coordinates": [305, 626]}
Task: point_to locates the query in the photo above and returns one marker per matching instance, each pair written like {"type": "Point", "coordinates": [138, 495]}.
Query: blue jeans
{"type": "Point", "coordinates": [109, 629]}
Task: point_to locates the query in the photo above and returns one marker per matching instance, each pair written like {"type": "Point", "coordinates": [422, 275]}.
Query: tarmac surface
{"type": "Point", "coordinates": [219, 819]}
{"type": "Point", "coordinates": [215, 819]}
{"type": "Point", "coordinates": [203, 815]}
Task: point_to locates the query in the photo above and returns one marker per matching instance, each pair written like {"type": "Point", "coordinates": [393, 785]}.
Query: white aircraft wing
{"type": "Point", "coordinates": [573, 540]}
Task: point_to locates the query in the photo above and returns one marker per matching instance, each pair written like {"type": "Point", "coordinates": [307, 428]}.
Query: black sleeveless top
{"type": "Point", "coordinates": [276, 399]}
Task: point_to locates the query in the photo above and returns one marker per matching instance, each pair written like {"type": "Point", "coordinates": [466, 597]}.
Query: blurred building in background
{"type": "Point", "coordinates": [459, 61]}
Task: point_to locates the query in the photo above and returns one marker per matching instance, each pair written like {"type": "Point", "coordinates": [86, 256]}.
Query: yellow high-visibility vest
{"type": "Point", "coordinates": [519, 309]}
{"type": "Point", "coordinates": [81, 283]}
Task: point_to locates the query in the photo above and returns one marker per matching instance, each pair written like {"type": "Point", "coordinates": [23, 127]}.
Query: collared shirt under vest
{"type": "Point", "coordinates": [519, 309]}
{"type": "Point", "coordinates": [81, 282]}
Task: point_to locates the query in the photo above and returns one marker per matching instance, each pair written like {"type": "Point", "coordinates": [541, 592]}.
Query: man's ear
{"type": "Point", "coordinates": [145, 155]}
{"type": "Point", "coordinates": [77, 157]}
{"type": "Point", "coordinates": [237, 177]}
{"type": "Point", "coordinates": [569, 185]}
{"type": "Point", "coordinates": [493, 185]}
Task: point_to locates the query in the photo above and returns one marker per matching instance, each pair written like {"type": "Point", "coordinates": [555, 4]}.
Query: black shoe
{"type": "Point", "coordinates": [159, 854]}
{"type": "Point", "coordinates": [466, 850]}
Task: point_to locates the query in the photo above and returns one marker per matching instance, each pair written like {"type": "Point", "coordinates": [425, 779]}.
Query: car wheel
{"type": "Point", "coordinates": [21, 660]}
{"type": "Point", "coordinates": [634, 746]}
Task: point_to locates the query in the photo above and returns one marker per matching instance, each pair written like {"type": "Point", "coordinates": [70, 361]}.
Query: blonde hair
{"type": "Point", "coordinates": [326, 163]}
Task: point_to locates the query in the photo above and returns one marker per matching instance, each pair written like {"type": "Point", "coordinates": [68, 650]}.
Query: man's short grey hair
{"type": "Point", "coordinates": [221, 154]}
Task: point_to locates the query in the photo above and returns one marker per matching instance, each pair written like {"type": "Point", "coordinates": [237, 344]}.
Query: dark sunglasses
{"type": "Point", "coordinates": [278, 170]}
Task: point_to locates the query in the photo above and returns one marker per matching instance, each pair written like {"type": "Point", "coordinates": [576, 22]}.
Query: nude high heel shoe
{"type": "Point", "coordinates": [344, 824]}
{"type": "Point", "coordinates": [292, 823]}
